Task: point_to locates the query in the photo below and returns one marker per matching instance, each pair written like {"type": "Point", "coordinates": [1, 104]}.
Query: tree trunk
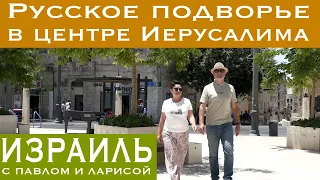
{"type": "Point", "coordinates": [312, 99]}
{"type": "Point", "coordinates": [134, 94]}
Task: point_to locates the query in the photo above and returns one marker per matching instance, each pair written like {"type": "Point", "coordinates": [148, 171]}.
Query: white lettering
{"type": "Point", "coordinates": [220, 11]}
{"type": "Point", "coordinates": [146, 170]}
{"type": "Point", "coordinates": [262, 11]}
{"type": "Point", "coordinates": [283, 36]}
{"type": "Point", "coordinates": [203, 8]}
{"type": "Point", "coordinates": [52, 150]}
{"type": "Point", "coordinates": [175, 12]}
{"type": "Point", "coordinates": [279, 12]}
{"type": "Point", "coordinates": [211, 36]}
{"type": "Point", "coordinates": [72, 16]}
{"type": "Point", "coordinates": [37, 150]}
{"type": "Point", "coordinates": [46, 36]}
{"type": "Point", "coordinates": [167, 34]}
{"type": "Point", "coordinates": [261, 36]}
{"type": "Point", "coordinates": [57, 33]}
{"type": "Point", "coordinates": [37, 12]}
{"type": "Point", "coordinates": [76, 145]}
{"type": "Point", "coordinates": [223, 35]}
{"type": "Point", "coordinates": [13, 9]}
{"type": "Point", "coordinates": [92, 32]}
{"type": "Point", "coordinates": [6, 154]}
{"type": "Point", "coordinates": [155, 30]}
{"type": "Point", "coordinates": [79, 171]}
{"type": "Point", "coordinates": [15, 35]}
{"type": "Point", "coordinates": [138, 149]}
{"type": "Point", "coordinates": [127, 12]}
{"type": "Point", "coordinates": [251, 12]}
{"type": "Point", "coordinates": [6, 171]}
{"type": "Point", "coordinates": [155, 12]}
{"type": "Point", "coordinates": [92, 11]}
{"type": "Point", "coordinates": [299, 12]}
{"type": "Point", "coordinates": [301, 34]}
{"type": "Point", "coordinates": [94, 154]}
{"type": "Point", "coordinates": [122, 33]}
{"type": "Point", "coordinates": [104, 12]}
{"type": "Point", "coordinates": [124, 150]}
{"type": "Point", "coordinates": [184, 33]}
{"type": "Point", "coordinates": [51, 15]}
{"type": "Point", "coordinates": [80, 35]}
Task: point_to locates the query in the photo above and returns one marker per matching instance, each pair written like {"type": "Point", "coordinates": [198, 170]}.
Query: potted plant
{"type": "Point", "coordinates": [304, 134]}
{"type": "Point", "coordinates": [126, 124]}
{"type": "Point", "coordinates": [8, 121]}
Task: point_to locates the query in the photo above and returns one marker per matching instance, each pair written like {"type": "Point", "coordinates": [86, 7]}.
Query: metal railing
{"type": "Point", "coordinates": [36, 113]}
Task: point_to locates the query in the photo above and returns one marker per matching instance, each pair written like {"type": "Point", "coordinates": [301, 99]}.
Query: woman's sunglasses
{"type": "Point", "coordinates": [176, 89]}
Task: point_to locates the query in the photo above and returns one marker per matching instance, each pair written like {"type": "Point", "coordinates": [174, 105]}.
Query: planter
{"type": "Point", "coordinates": [8, 124]}
{"type": "Point", "coordinates": [304, 138]}
{"type": "Point", "coordinates": [103, 129]}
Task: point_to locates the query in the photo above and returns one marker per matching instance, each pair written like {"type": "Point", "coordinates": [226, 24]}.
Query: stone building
{"type": "Point", "coordinates": [86, 94]}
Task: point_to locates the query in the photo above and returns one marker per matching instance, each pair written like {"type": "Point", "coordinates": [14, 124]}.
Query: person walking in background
{"type": "Point", "coordinates": [140, 108]}
{"type": "Point", "coordinates": [222, 103]}
{"type": "Point", "coordinates": [68, 107]}
{"type": "Point", "coordinates": [173, 130]}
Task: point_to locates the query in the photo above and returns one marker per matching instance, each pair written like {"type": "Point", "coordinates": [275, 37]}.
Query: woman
{"type": "Point", "coordinates": [173, 129]}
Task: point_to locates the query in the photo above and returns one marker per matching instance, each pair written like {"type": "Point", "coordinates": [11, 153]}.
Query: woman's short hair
{"type": "Point", "coordinates": [175, 82]}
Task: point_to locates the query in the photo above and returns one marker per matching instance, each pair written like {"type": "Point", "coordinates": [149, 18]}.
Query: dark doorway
{"type": "Point", "coordinates": [125, 104]}
{"type": "Point", "coordinates": [34, 105]}
{"type": "Point", "coordinates": [78, 102]}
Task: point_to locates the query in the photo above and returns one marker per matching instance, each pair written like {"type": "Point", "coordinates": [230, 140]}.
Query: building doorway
{"type": "Point", "coordinates": [34, 105]}
{"type": "Point", "coordinates": [125, 104]}
{"type": "Point", "coordinates": [78, 102]}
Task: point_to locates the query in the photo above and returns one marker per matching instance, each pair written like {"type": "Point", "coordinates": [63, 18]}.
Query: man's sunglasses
{"type": "Point", "coordinates": [176, 89]}
{"type": "Point", "coordinates": [219, 70]}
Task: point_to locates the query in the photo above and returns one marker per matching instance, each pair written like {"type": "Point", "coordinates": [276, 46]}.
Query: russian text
{"type": "Point", "coordinates": [74, 12]}
{"type": "Point", "coordinates": [222, 12]}
{"type": "Point", "coordinates": [220, 35]}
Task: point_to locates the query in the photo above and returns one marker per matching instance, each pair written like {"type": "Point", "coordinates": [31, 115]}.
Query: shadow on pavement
{"type": "Point", "coordinates": [204, 169]}
{"type": "Point", "coordinates": [284, 148]}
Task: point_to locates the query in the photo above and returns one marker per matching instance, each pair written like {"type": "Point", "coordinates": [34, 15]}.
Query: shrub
{"type": "Point", "coordinates": [313, 123]}
{"type": "Point", "coordinates": [4, 111]}
{"type": "Point", "coordinates": [128, 121]}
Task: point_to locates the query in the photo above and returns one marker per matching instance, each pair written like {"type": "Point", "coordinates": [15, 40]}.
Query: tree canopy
{"type": "Point", "coordinates": [130, 58]}
{"type": "Point", "coordinates": [197, 73]}
{"type": "Point", "coordinates": [300, 70]}
{"type": "Point", "coordinates": [19, 66]}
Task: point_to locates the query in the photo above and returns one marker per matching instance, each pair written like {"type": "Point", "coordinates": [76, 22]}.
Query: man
{"type": "Point", "coordinates": [220, 97]}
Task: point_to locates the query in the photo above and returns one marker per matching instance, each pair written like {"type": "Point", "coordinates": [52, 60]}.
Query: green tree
{"type": "Point", "coordinates": [197, 73]}
{"type": "Point", "coordinates": [302, 69]}
{"type": "Point", "coordinates": [20, 66]}
{"type": "Point", "coordinates": [130, 58]}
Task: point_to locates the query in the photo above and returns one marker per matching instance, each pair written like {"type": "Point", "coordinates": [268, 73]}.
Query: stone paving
{"type": "Point", "coordinates": [256, 157]}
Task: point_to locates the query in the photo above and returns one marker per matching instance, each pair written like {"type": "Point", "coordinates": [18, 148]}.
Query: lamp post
{"type": "Point", "coordinates": [255, 95]}
{"type": "Point", "coordinates": [58, 106]}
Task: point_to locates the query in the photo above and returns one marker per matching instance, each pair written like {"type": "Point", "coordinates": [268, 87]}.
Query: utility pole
{"type": "Point", "coordinates": [255, 95]}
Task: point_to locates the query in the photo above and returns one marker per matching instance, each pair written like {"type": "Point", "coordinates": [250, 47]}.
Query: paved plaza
{"type": "Point", "coordinates": [256, 158]}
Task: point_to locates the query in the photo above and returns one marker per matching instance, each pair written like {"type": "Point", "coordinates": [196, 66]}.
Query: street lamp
{"type": "Point", "coordinates": [255, 97]}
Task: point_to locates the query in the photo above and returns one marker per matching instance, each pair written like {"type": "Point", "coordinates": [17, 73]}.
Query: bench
{"type": "Point", "coordinates": [87, 116]}
{"type": "Point", "coordinates": [194, 154]}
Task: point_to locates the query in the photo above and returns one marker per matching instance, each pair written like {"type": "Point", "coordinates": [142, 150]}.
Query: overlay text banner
{"type": "Point", "coordinates": [165, 23]}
